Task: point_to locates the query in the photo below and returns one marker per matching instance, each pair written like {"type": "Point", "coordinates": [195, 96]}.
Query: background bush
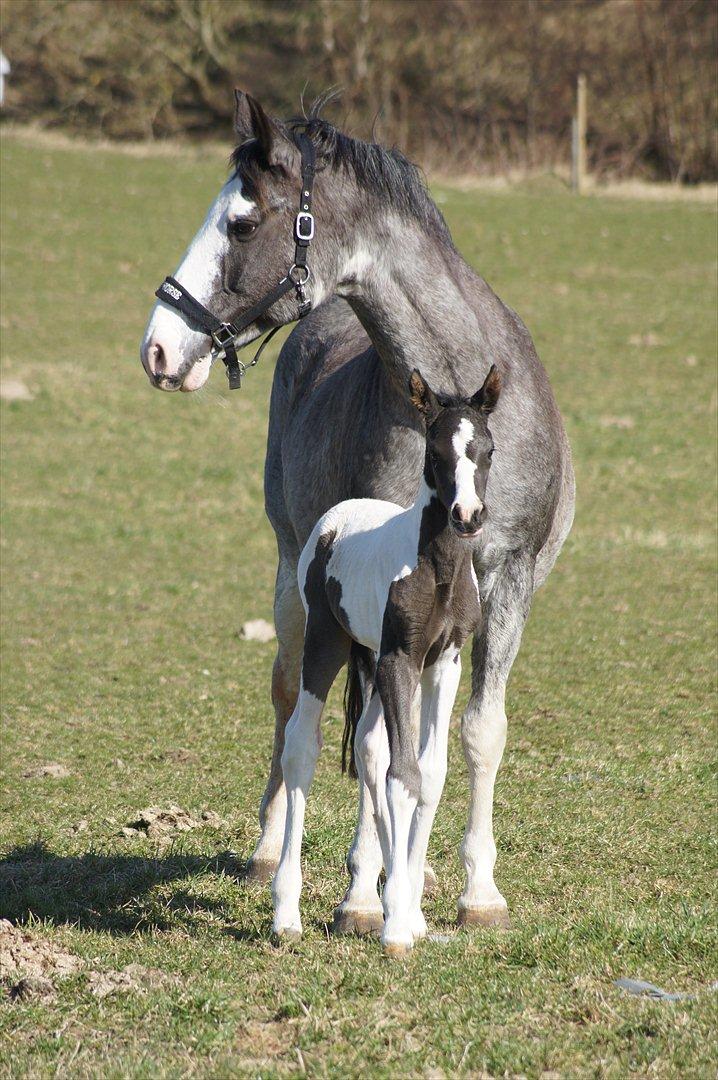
{"type": "Point", "coordinates": [476, 85]}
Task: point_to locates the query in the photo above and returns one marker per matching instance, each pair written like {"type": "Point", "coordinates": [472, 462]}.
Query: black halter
{"type": "Point", "coordinates": [225, 334]}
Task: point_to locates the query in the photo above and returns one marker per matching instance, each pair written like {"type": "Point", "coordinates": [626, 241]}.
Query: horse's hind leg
{"type": "Point", "coordinates": [289, 625]}
{"type": "Point", "coordinates": [483, 734]}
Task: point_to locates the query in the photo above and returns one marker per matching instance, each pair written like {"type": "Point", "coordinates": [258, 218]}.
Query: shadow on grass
{"type": "Point", "coordinates": [110, 892]}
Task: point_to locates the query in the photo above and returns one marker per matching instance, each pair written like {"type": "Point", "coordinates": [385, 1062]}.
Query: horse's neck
{"type": "Point", "coordinates": [417, 300]}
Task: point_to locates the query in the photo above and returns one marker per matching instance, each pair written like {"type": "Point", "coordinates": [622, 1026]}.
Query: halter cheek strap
{"type": "Point", "coordinates": [224, 335]}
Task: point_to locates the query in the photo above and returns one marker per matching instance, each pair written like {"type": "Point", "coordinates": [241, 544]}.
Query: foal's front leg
{"type": "Point", "coordinates": [396, 681]}
{"type": "Point", "coordinates": [439, 684]}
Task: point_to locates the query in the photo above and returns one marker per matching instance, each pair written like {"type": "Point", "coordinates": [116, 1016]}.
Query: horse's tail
{"type": "Point", "coordinates": [358, 681]}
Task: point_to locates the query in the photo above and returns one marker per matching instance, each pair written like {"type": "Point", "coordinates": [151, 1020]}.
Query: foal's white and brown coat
{"type": "Point", "coordinates": [394, 591]}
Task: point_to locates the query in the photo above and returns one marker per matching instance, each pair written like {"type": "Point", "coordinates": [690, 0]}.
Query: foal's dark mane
{"type": "Point", "coordinates": [383, 172]}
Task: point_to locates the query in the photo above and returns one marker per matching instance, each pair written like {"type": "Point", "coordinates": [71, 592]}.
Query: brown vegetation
{"type": "Point", "coordinates": [476, 85]}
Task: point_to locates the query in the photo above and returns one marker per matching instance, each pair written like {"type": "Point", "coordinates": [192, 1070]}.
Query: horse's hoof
{"type": "Point", "coordinates": [495, 916]}
{"type": "Point", "coordinates": [396, 950]}
{"type": "Point", "coordinates": [288, 935]}
{"type": "Point", "coordinates": [259, 871]}
{"type": "Point", "coordinates": [430, 881]}
{"type": "Point", "coordinates": [347, 921]}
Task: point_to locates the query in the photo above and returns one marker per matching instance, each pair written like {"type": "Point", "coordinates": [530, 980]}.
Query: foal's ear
{"type": "Point", "coordinates": [484, 400]}
{"type": "Point", "coordinates": [252, 122]}
{"type": "Point", "coordinates": [423, 397]}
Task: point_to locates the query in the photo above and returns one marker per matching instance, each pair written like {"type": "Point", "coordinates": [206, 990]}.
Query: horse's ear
{"type": "Point", "coordinates": [484, 400]}
{"type": "Point", "coordinates": [423, 397]}
{"type": "Point", "coordinates": [252, 122]}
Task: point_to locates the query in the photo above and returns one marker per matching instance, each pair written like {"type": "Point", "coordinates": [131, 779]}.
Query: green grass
{"type": "Point", "coordinates": [135, 545]}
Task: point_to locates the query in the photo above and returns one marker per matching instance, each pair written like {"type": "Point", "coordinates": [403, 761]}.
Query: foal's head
{"type": "Point", "coordinates": [459, 449]}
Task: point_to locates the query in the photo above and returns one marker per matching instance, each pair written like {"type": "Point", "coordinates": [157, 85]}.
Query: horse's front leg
{"type": "Point", "coordinates": [289, 625]}
{"type": "Point", "coordinates": [439, 684]}
{"type": "Point", "coordinates": [326, 650]}
{"type": "Point", "coordinates": [483, 734]}
{"type": "Point", "coordinates": [396, 680]}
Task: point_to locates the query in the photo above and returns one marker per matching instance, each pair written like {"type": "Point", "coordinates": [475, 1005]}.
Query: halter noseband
{"type": "Point", "coordinates": [225, 334]}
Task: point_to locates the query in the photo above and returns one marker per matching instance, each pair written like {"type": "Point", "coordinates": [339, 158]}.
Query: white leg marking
{"type": "Point", "coordinates": [484, 737]}
{"type": "Point", "coordinates": [301, 751]}
{"type": "Point", "coordinates": [364, 859]}
{"type": "Point", "coordinates": [439, 685]}
{"type": "Point", "coordinates": [397, 898]}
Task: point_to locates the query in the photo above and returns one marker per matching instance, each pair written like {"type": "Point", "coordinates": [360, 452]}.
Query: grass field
{"type": "Point", "coordinates": [135, 546]}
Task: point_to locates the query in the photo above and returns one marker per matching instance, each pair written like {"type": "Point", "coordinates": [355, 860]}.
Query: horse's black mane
{"type": "Point", "coordinates": [384, 172]}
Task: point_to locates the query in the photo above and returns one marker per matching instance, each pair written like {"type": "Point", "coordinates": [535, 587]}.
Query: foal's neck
{"type": "Point", "coordinates": [417, 299]}
{"type": "Point", "coordinates": [437, 541]}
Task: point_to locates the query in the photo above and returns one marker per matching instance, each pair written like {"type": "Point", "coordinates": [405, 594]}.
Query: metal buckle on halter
{"type": "Point", "coordinates": [304, 226]}
{"type": "Point", "coordinates": [224, 335]}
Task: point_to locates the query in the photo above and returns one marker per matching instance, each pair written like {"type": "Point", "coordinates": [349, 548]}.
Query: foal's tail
{"type": "Point", "coordinates": [359, 675]}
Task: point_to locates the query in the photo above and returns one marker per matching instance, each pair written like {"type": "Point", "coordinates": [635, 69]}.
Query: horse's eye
{"type": "Point", "coordinates": [242, 229]}
{"type": "Point", "coordinates": [491, 451]}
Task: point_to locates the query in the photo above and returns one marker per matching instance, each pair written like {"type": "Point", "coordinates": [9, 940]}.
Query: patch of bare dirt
{"type": "Point", "coordinates": [52, 769]}
{"type": "Point", "coordinates": [181, 756]}
{"type": "Point", "coordinates": [159, 823]}
{"type": "Point", "coordinates": [649, 340]}
{"type": "Point", "coordinates": [15, 390]}
{"type": "Point", "coordinates": [29, 966]}
{"type": "Point", "coordinates": [134, 978]}
{"type": "Point", "coordinates": [623, 423]}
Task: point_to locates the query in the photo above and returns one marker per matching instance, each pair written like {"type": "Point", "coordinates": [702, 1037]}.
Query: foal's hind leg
{"type": "Point", "coordinates": [289, 624]}
{"type": "Point", "coordinates": [360, 912]}
{"type": "Point", "coordinates": [483, 734]}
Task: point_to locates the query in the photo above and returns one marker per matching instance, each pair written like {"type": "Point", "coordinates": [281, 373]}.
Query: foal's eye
{"type": "Point", "coordinates": [241, 229]}
{"type": "Point", "coordinates": [491, 451]}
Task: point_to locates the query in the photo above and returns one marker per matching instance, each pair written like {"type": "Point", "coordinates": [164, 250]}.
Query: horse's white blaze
{"type": "Point", "coordinates": [198, 272]}
{"type": "Point", "coordinates": [465, 498]}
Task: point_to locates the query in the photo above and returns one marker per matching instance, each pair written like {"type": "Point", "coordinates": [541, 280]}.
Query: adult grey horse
{"type": "Point", "coordinates": [389, 293]}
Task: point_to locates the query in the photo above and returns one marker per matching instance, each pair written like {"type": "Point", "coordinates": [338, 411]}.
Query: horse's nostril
{"type": "Point", "coordinates": [456, 514]}
{"type": "Point", "coordinates": [158, 361]}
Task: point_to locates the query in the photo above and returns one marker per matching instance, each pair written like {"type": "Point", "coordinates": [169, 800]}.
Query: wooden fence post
{"type": "Point", "coordinates": [578, 139]}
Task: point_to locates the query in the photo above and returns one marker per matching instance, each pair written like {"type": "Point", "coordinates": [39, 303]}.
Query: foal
{"type": "Point", "coordinates": [394, 592]}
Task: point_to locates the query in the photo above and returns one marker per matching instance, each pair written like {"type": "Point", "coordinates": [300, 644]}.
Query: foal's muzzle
{"type": "Point", "coordinates": [467, 526]}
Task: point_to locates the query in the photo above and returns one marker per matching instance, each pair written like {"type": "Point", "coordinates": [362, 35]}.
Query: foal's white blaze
{"type": "Point", "coordinates": [465, 498]}
{"type": "Point", "coordinates": [198, 272]}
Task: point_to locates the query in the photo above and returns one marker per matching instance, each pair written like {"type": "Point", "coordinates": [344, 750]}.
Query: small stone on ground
{"type": "Point", "coordinates": [257, 630]}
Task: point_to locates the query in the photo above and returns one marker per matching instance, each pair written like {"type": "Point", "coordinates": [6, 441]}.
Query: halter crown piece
{"type": "Point", "coordinates": [225, 334]}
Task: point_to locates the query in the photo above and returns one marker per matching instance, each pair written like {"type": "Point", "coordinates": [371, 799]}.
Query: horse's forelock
{"type": "Point", "coordinates": [386, 173]}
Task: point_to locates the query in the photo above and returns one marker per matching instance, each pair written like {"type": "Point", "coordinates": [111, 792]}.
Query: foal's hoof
{"type": "Point", "coordinates": [430, 881]}
{"type": "Point", "coordinates": [495, 916]}
{"type": "Point", "coordinates": [259, 871]}
{"type": "Point", "coordinates": [288, 935]}
{"type": "Point", "coordinates": [396, 950]}
{"type": "Point", "coordinates": [347, 921]}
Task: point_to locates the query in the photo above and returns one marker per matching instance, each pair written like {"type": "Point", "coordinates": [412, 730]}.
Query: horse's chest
{"type": "Point", "coordinates": [424, 618]}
